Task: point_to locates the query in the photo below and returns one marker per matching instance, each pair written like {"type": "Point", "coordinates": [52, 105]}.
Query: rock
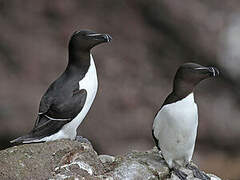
{"type": "Point", "coordinates": [66, 159]}
{"type": "Point", "coordinates": [213, 177]}
{"type": "Point", "coordinates": [106, 158]}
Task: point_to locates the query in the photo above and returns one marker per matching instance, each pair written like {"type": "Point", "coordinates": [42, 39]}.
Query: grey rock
{"type": "Point", "coordinates": [106, 158]}
{"type": "Point", "coordinates": [132, 170]}
{"type": "Point", "coordinates": [66, 159]}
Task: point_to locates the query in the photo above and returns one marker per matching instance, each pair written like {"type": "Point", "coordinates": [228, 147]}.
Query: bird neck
{"type": "Point", "coordinates": [78, 60]}
{"type": "Point", "coordinates": [182, 89]}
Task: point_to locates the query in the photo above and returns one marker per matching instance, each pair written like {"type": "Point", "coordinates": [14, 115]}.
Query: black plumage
{"type": "Point", "coordinates": [64, 99]}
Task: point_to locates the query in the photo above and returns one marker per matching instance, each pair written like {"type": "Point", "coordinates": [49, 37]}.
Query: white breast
{"type": "Point", "coordinates": [175, 127]}
{"type": "Point", "coordinates": [90, 84]}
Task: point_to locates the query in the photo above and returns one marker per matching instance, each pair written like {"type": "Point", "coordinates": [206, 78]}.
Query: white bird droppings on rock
{"type": "Point", "coordinates": [106, 158]}
{"type": "Point", "coordinates": [80, 164]}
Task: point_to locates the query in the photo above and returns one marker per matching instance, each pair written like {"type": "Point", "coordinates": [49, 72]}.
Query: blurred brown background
{"type": "Point", "coordinates": [150, 40]}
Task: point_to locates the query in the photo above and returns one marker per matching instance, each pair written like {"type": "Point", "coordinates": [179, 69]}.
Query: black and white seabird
{"type": "Point", "coordinates": [69, 98]}
{"type": "Point", "coordinates": [175, 124]}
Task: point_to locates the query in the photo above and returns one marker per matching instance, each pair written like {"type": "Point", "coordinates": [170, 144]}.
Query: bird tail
{"type": "Point", "coordinates": [24, 139]}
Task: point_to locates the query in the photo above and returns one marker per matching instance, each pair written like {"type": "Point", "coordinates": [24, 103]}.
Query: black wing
{"type": "Point", "coordinates": [55, 112]}
{"type": "Point", "coordinates": [155, 140]}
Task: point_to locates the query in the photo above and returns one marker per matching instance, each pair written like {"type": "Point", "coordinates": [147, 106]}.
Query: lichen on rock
{"type": "Point", "coordinates": [66, 159]}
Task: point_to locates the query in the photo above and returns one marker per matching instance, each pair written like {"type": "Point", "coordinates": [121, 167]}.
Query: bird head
{"type": "Point", "coordinates": [85, 40]}
{"type": "Point", "coordinates": [190, 74]}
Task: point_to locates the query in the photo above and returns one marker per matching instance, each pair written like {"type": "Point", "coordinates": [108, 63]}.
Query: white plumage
{"type": "Point", "coordinates": [175, 128]}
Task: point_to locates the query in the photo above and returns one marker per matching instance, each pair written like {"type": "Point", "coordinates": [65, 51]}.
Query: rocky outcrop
{"type": "Point", "coordinates": [65, 159]}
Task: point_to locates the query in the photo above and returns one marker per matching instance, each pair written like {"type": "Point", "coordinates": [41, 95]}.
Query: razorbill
{"type": "Point", "coordinates": [175, 124]}
{"type": "Point", "coordinates": [68, 99]}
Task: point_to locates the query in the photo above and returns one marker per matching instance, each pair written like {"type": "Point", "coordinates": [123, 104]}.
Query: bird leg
{"type": "Point", "coordinates": [82, 140]}
{"type": "Point", "coordinates": [197, 173]}
{"type": "Point", "coordinates": [181, 175]}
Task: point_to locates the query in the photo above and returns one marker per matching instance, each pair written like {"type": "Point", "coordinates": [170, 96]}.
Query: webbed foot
{"type": "Point", "coordinates": [197, 173]}
{"type": "Point", "coordinates": [181, 175]}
